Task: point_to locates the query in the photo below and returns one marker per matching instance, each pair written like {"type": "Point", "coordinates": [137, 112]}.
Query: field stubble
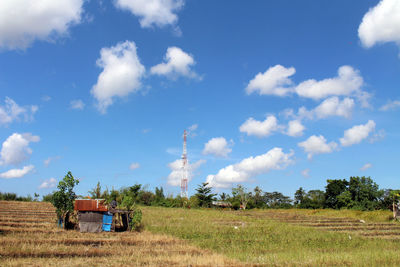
{"type": "Point", "coordinates": [29, 236]}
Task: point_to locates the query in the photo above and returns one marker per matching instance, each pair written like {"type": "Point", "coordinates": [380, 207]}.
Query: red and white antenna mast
{"type": "Point", "coordinates": [184, 179]}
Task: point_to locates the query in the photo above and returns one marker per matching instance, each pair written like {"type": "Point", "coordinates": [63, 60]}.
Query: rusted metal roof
{"type": "Point", "coordinates": [90, 205]}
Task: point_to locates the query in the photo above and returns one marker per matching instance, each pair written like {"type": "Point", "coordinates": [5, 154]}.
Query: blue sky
{"type": "Point", "coordinates": [279, 94]}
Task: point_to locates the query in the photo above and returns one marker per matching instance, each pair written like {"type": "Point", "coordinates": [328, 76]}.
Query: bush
{"type": "Point", "coordinates": [135, 222]}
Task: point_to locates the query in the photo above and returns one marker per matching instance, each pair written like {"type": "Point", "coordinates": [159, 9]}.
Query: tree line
{"type": "Point", "coordinates": [360, 193]}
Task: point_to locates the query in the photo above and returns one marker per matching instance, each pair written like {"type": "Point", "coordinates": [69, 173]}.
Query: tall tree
{"type": "Point", "coordinates": [64, 198]}
{"type": "Point", "coordinates": [364, 193]}
{"type": "Point", "coordinates": [332, 190]}
{"type": "Point", "coordinates": [204, 195]}
{"type": "Point", "coordinates": [96, 192]}
{"type": "Point", "coordinates": [241, 193]}
{"type": "Point", "coordinates": [299, 196]}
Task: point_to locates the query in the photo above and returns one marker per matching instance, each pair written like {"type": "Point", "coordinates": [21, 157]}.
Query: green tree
{"type": "Point", "coordinates": [204, 195]}
{"type": "Point", "coordinates": [332, 190]}
{"type": "Point", "coordinates": [365, 193]}
{"type": "Point", "coordinates": [316, 199]}
{"type": "Point", "coordinates": [63, 199]}
{"type": "Point", "coordinates": [95, 193]}
{"type": "Point", "coordinates": [241, 193]}
{"type": "Point", "coordinates": [223, 196]}
{"type": "Point", "coordinates": [159, 196]}
{"type": "Point", "coordinates": [277, 200]}
{"type": "Point", "coordinates": [299, 196]}
{"type": "Point", "coordinates": [257, 198]}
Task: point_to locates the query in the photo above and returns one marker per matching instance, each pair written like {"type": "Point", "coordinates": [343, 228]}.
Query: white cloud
{"type": "Point", "coordinates": [260, 128]}
{"type": "Point", "coordinates": [134, 166]}
{"type": "Point", "coordinates": [366, 166]}
{"type": "Point", "coordinates": [381, 24]}
{"type": "Point", "coordinates": [275, 81]}
{"type": "Point", "coordinates": [17, 173]}
{"type": "Point", "coordinates": [377, 136]}
{"type": "Point", "coordinates": [192, 130]}
{"type": "Point", "coordinates": [295, 128]}
{"type": "Point", "coordinates": [174, 178]}
{"type": "Point", "coordinates": [334, 107]}
{"type": "Point", "coordinates": [306, 173]}
{"type": "Point", "coordinates": [274, 159]}
{"type": "Point", "coordinates": [348, 82]}
{"type": "Point", "coordinates": [11, 111]}
{"type": "Point", "coordinates": [390, 105]}
{"type": "Point", "coordinates": [50, 183]}
{"type": "Point", "coordinates": [193, 127]}
{"type": "Point", "coordinates": [121, 75]}
{"type": "Point", "coordinates": [317, 145]}
{"type": "Point", "coordinates": [16, 148]}
{"type": "Point", "coordinates": [217, 146]}
{"type": "Point", "coordinates": [357, 133]}
{"type": "Point", "coordinates": [77, 104]}
{"type": "Point", "coordinates": [23, 21]}
{"type": "Point", "coordinates": [152, 12]}
{"type": "Point", "coordinates": [47, 161]}
{"type": "Point", "coordinates": [177, 63]}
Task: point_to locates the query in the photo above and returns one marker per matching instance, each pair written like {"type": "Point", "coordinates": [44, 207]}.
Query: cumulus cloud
{"type": "Point", "coordinates": [17, 173]}
{"type": "Point", "coordinates": [121, 75]}
{"type": "Point", "coordinates": [332, 106]}
{"type": "Point", "coordinates": [152, 12]}
{"type": "Point", "coordinates": [174, 178]}
{"type": "Point", "coordinates": [23, 21]}
{"type": "Point", "coordinates": [274, 159]}
{"type": "Point", "coordinates": [357, 133]}
{"type": "Point", "coordinates": [348, 82]}
{"type": "Point", "coordinates": [217, 146]}
{"type": "Point", "coordinates": [77, 104]}
{"type": "Point", "coordinates": [390, 105]}
{"type": "Point", "coordinates": [134, 166]}
{"type": "Point", "coordinates": [260, 128]}
{"type": "Point", "coordinates": [16, 148]}
{"type": "Point", "coordinates": [317, 145]}
{"type": "Point", "coordinates": [177, 63]}
{"type": "Point", "coordinates": [274, 81]}
{"type": "Point", "coordinates": [366, 166]}
{"type": "Point", "coordinates": [295, 128]}
{"type": "Point", "coordinates": [11, 111]}
{"type": "Point", "coordinates": [50, 183]}
{"type": "Point", "coordinates": [381, 24]}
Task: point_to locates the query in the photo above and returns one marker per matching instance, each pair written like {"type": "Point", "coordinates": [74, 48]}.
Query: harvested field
{"type": "Point", "coordinates": [337, 224]}
{"type": "Point", "coordinates": [29, 236]}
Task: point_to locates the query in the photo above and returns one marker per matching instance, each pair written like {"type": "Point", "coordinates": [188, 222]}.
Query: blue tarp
{"type": "Point", "coordinates": [107, 221]}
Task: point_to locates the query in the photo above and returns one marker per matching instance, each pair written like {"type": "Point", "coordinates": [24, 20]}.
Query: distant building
{"type": "Point", "coordinates": [222, 204]}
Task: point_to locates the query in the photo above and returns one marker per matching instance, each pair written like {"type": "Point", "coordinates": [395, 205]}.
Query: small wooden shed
{"type": "Point", "coordinates": [95, 216]}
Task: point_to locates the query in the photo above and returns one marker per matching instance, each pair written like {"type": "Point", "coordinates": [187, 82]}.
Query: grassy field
{"type": "Point", "coordinates": [178, 237]}
{"type": "Point", "coordinates": [285, 237]}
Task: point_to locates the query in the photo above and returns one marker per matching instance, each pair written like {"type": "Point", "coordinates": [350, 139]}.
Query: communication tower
{"type": "Point", "coordinates": [184, 179]}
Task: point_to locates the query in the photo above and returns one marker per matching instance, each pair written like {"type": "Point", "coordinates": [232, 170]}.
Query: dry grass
{"type": "Point", "coordinates": [34, 240]}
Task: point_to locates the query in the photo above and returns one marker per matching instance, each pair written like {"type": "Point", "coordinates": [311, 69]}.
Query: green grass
{"type": "Point", "coordinates": [368, 216]}
{"type": "Point", "coordinates": [255, 239]}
